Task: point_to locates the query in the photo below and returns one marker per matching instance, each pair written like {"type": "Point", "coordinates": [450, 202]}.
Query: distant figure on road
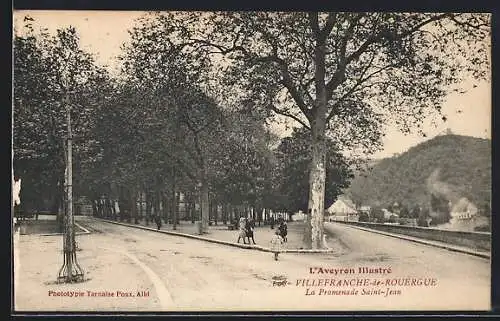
{"type": "Point", "coordinates": [157, 219]}
{"type": "Point", "coordinates": [271, 220]}
{"type": "Point", "coordinates": [276, 244]}
{"type": "Point", "coordinates": [242, 230]}
{"type": "Point", "coordinates": [283, 230]}
{"type": "Point", "coordinates": [249, 227]}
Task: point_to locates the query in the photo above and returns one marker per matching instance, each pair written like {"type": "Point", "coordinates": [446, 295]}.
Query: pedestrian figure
{"type": "Point", "coordinates": [283, 230]}
{"type": "Point", "coordinates": [276, 244]}
{"type": "Point", "coordinates": [157, 219]}
{"type": "Point", "coordinates": [242, 230]}
{"type": "Point", "coordinates": [249, 227]}
{"type": "Point", "coordinates": [271, 220]}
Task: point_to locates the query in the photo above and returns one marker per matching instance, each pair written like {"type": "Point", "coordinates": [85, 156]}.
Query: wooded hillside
{"type": "Point", "coordinates": [461, 163]}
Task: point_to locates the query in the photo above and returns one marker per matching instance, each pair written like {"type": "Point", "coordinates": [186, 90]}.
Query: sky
{"type": "Point", "coordinates": [103, 32]}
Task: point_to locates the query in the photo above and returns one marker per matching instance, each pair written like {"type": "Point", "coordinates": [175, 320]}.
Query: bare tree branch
{"type": "Point", "coordinates": [285, 113]}
{"type": "Point", "coordinates": [314, 23]}
{"type": "Point", "coordinates": [361, 80]}
{"type": "Point", "coordinates": [330, 22]}
{"type": "Point", "coordinates": [468, 24]}
{"type": "Point", "coordinates": [340, 72]}
{"type": "Point", "coordinates": [338, 76]}
{"type": "Point", "coordinates": [286, 80]}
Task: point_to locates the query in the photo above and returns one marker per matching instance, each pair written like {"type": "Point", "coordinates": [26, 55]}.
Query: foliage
{"type": "Point", "coordinates": [440, 210]}
{"type": "Point", "coordinates": [196, 89]}
{"type": "Point", "coordinates": [364, 217]}
{"type": "Point", "coordinates": [377, 214]}
{"type": "Point", "coordinates": [51, 74]}
{"type": "Point", "coordinates": [245, 161]}
{"type": "Point", "coordinates": [370, 62]}
{"type": "Point", "coordinates": [422, 219]}
{"type": "Point", "coordinates": [404, 212]}
{"type": "Point", "coordinates": [340, 75]}
{"type": "Point", "coordinates": [294, 159]}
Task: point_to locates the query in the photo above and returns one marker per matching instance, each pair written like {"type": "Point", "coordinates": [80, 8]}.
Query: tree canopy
{"type": "Point", "coordinates": [189, 107]}
{"type": "Point", "coordinates": [294, 160]}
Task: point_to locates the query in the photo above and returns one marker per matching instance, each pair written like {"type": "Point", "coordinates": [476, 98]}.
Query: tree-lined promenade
{"type": "Point", "coordinates": [193, 275]}
{"type": "Point", "coordinates": [189, 112]}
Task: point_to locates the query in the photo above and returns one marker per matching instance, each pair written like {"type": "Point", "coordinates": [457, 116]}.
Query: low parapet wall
{"type": "Point", "coordinates": [473, 240]}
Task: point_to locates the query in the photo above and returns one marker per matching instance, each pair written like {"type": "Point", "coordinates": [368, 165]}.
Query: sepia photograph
{"type": "Point", "coordinates": [267, 161]}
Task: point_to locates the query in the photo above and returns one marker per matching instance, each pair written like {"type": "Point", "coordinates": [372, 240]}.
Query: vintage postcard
{"type": "Point", "coordinates": [251, 161]}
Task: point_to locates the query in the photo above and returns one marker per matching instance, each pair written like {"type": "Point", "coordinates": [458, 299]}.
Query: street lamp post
{"type": "Point", "coordinates": [70, 271]}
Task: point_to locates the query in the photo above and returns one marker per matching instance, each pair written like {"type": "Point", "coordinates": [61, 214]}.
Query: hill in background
{"type": "Point", "coordinates": [452, 165]}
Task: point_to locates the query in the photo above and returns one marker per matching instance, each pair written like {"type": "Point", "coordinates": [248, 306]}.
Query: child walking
{"type": "Point", "coordinates": [276, 244]}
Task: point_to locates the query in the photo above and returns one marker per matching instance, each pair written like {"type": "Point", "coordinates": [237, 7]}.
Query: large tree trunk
{"type": "Point", "coordinates": [177, 205]}
{"type": "Point", "coordinates": [123, 201]}
{"type": "Point", "coordinates": [211, 211]}
{"type": "Point", "coordinates": [94, 207]}
{"type": "Point", "coordinates": [224, 213]}
{"type": "Point", "coordinates": [152, 199]}
{"type": "Point", "coordinates": [173, 199]}
{"type": "Point", "coordinates": [189, 203]}
{"type": "Point", "coordinates": [148, 206]}
{"type": "Point", "coordinates": [157, 202]}
{"type": "Point", "coordinates": [164, 203]}
{"type": "Point", "coordinates": [313, 235]}
{"type": "Point", "coordinates": [173, 213]}
{"type": "Point", "coordinates": [204, 205]}
{"type": "Point", "coordinates": [132, 208]}
{"type": "Point", "coordinates": [141, 210]}
{"type": "Point", "coordinates": [216, 212]}
{"type": "Point", "coordinates": [113, 209]}
{"type": "Point", "coordinates": [314, 226]}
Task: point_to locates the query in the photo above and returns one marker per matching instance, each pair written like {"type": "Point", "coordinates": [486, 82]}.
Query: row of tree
{"type": "Point", "coordinates": [152, 134]}
{"type": "Point", "coordinates": [192, 81]}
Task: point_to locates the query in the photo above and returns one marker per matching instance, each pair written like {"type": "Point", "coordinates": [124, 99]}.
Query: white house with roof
{"type": "Point", "coordinates": [365, 209]}
{"type": "Point", "coordinates": [343, 209]}
{"type": "Point", "coordinates": [388, 214]}
{"type": "Point", "coordinates": [465, 216]}
{"type": "Point", "coordinates": [464, 210]}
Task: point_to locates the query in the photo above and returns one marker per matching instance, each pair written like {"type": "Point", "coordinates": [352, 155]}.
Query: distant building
{"type": "Point", "coordinates": [465, 216]}
{"type": "Point", "coordinates": [299, 216]}
{"type": "Point", "coordinates": [388, 214]}
{"type": "Point", "coordinates": [464, 210]}
{"type": "Point", "coordinates": [365, 209]}
{"type": "Point", "coordinates": [343, 209]}
{"type": "Point", "coordinates": [396, 208]}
